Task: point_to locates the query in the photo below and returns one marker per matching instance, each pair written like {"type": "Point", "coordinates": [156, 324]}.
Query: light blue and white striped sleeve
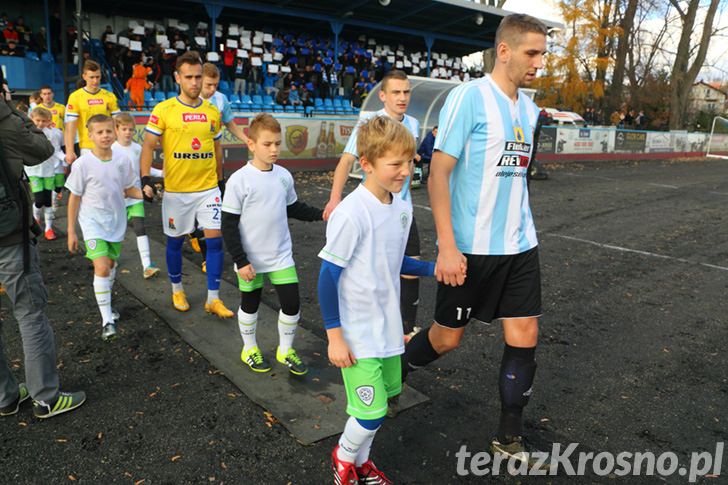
{"type": "Point", "coordinates": [457, 119]}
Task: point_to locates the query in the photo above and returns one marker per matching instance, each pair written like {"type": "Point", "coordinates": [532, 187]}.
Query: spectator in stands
{"type": "Point", "coordinates": [228, 59]}
{"type": "Point", "coordinates": [255, 80]}
{"type": "Point", "coordinates": [641, 121]}
{"type": "Point", "coordinates": [166, 67]}
{"type": "Point", "coordinates": [10, 34]}
{"type": "Point", "coordinates": [23, 31]}
{"type": "Point", "coordinates": [357, 97]}
{"type": "Point", "coordinates": [3, 21]}
{"type": "Point", "coordinates": [283, 97]}
{"type": "Point", "coordinates": [11, 49]}
{"type": "Point", "coordinates": [293, 96]}
{"type": "Point", "coordinates": [38, 41]}
{"type": "Point", "coordinates": [333, 82]}
{"type": "Point", "coordinates": [347, 81]}
{"type": "Point", "coordinates": [628, 120]}
{"type": "Point", "coordinates": [107, 32]}
{"type": "Point", "coordinates": [306, 95]}
{"type": "Point", "coordinates": [241, 75]}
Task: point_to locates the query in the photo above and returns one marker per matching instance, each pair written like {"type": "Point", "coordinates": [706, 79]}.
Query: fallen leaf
{"type": "Point", "coordinates": [125, 271]}
{"type": "Point", "coordinates": [223, 465]}
{"type": "Point", "coordinates": [99, 436]}
{"type": "Point", "coordinates": [324, 399]}
{"type": "Point", "coordinates": [138, 482]}
{"type": "Point", "coordinates": [72, 478]}
{"type": "Point", "coordinates": [61, 440]}
{"type": "Point", "coordinates": [232, 395]}
{"type": "Point", "coordinates": [22, 424]}
{"type": "Point", "coordinates": [317, 426]}
{"type": "Point", "coordinates": [176, 457]}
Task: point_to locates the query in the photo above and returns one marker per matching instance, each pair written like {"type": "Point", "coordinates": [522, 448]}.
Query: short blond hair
{"type": "Point", "coordinates": [124, 119]}
{"type": "Point", "coordinates": [99, 118]}
{"type": "Point", "coordinates": [41, 112]}
{"type": "Point", "coordinates": [263, 121]}
{"type": "Point", "coordinates": [210, 70]}
{"type": "Point", "coordinates": [382, 134]}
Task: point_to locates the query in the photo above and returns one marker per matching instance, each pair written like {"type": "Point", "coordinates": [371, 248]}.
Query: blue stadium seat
{"type": "Point", "coordinates": [290, 109]}
{"type": "Point", "coordinates": [246, 100]}
{"type": "Point", "coordinates": [171, 94]}
{"type": "Point", "coordinates": [318, 102]}
{"type": "Point", "coordinates": [257, 99]}
{"type": "Point", "coordinates": [159, 96]}
{"type": "Point", "coordinates": [328, 103]}
{"type": "Point", "coordinates": [235, 99]}
{"type": "Point", "coordinates": [224, 86]}
{"type": "Point", "coordinates": [46, 57]}
{"type": "Point", "coordinates": [338, 103]}
{"type": "Point", "coordinates": [33, 56]}
{"type": "Point", "coordinates": [268, 100]}
{"type": "Point", "coordinates": [279, 108]}
{"type": "Point", "coordinates": [147, 96]}
{"type": "Point", "coordinates": [309, 110]}
{"type": "Point", "coordinates": [329, 111]}
{"type": "Point", "coordinates": [300, 109]}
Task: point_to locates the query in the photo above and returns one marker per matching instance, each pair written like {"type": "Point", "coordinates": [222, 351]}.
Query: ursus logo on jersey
{"type": "Point", "coordinates": [194, 117]}
{"type": "Point", "coordinates": [366, 394]}
{"type": "Point", "coordinates": [94, 101]}
{"type": "Point", "coordinates": [196, 145]}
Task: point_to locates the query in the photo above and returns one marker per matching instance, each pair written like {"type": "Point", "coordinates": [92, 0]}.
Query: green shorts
{"type": "Point", "coordinates": [59, 180]}
{"type": "Point", "coordinates": [369, 383]}
{"type": "Point", "coordinates": [135, 210]}
{"type": "Point", "coordinates": [98, 248]}
{"type": "Point", "coordinates": [39, 184]}
{"type": "Point", "coordinates": [284, 276]}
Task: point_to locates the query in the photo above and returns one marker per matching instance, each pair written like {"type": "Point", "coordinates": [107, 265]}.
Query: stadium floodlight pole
{"type": "Point", "coordinates": [429, 41]}
{"type": "Point", "coordinates": [213, 10]}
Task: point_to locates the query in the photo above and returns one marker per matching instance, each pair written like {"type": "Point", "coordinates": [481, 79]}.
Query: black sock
{"type": "Point", "coordinates": [418, 353]}
{"type": "Point", "coordinates": [409, 299]}
{"type": "Point", "coordinates": [517, 371]}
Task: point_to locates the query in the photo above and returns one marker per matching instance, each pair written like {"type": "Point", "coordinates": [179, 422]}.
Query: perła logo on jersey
{"type": "Point", "coordinates": [194, 117]}
{"type": "Point", "coordinates": [94, 101]}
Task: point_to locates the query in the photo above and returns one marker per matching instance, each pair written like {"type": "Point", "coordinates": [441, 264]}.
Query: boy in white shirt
{"type": "Point", "coordinates": [98, 184]}
{"type": "Point", "coordinates": [359, 291]}
{"type": "Point", "coordinates": [42, 176]}
{"type": "Point", "coordinates": [125, 126]}
{"type": "Point", "coordinates": [259, 199]}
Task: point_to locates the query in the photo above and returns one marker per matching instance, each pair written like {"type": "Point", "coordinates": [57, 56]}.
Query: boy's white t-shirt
{"type": "Point", "coordinates": [47, 169]}
{"type": "Point", "coordinates": [134, 153]}
{"type": "Point", "coordinates": [101, 185]}
{"type": "Point", "coordinates": [261, 199]}
{"type": "Point", "coordinates": [368, 238]}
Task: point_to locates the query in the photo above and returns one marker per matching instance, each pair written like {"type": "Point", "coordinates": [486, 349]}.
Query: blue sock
{"type": "Point", "coordinates": [214, 262]}
{"type": "Point", "coordinates": [174, 258]}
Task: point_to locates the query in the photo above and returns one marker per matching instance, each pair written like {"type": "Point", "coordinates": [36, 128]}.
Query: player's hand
{"type": "Point", "coordinates": [72, 242]}
{"type": "Point", "coordinates": [247, 273]}
{"type": "Point", "coordinates": [340, 355]}
{"type": "Point", "coordinates": [148, 188]}
{"type": "Point", "coordinates": [451, 267]}
{"type": "Point", "coordinates": [70, 157]}
{"type": "Point", "coordinates": [330, 206]}
{"type": "Point", "coordinates": [418, 158]}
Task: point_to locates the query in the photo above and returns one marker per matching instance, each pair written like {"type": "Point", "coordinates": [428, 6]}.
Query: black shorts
{"type": "Point", "coordinates": [413, 240]}
{"type": "Point", "coordinates": [496, 287]}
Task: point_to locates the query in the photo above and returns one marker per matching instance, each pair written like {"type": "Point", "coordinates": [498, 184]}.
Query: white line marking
{"type": "Point", "coordinates": [718, 193]}
{"type": "Point", "coordinates": [663, 185]}
{"type": "Point", "coordinates": [592, 176]}
{"type": "Point", "coordinates": [637, 251]}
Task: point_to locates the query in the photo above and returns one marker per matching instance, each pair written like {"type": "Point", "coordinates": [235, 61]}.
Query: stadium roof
{"type": "Point", "coordinates": [451, 23]}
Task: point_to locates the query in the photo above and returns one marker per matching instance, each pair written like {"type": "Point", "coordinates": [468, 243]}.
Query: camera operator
{"type": "Point", "coordinates": [21, 143]}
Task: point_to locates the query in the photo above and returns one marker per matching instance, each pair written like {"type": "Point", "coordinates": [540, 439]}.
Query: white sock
{"type": "Point", "coordinates": [143, 246]}
{"type": "Point", "coordinates": [363, 455]}
{"type": "Point", "coordinates": [37, 211]}
{"type": "Point", "coordinates": [212, 295]}
{"type": "Point", "coordinates": [48, 212]}
{"type": "Point", "coordinates": [177, 287]}
{"type": "Point", "coordinates": [352, 440]}
{"type": "Point", "coordinates": [287, 325]}
{"type": "Point", "coordinates": [247, 323]}
{"type": "Point", "coordinates": [112, 278]}
{"type": "Point", "coordinates": [102, 289]}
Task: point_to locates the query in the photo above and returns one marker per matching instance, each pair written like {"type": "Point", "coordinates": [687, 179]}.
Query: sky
{"type": "Point", "coordinates": [716, 60]}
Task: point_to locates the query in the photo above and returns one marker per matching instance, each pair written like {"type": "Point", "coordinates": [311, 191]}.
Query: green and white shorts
{"type": "Point", "coordinates": [98, 248]}
{"type": "Point", "coordinates": [369, 383]}
{"type": "Point", "coordinates": [284, 276]}
{"type": "Point", "coordinates": [39, 184]}
{"type": "Point", "coordinates": [135, 210]}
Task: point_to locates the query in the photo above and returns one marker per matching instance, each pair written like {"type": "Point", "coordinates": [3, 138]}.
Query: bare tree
{"type": "Point", "coordinates": [623, 47]}
{"type": "Point", "coordinates": [683, 72]}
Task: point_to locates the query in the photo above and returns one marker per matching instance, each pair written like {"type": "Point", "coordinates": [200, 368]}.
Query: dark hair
{"type": "Point", "coordinates": [393, 74]}
{"type": "Point", "coordinates": [189, 57]}
{"type": "Point", "coordinates": [515, 25]}
{"type": "Point", "coordinates": [91, 65]}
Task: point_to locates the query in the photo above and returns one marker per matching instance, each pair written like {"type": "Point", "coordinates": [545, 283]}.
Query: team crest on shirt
{"type": "Point", "coordinates": [404, 218]}
{"type": "Point", "coordinates": [283, 182]}
{"type": "Point", "coordinates": [366, 394]}
{"type": "Point", "coordinates": [196, 145]}
{"type": "Point", "coordinates": [91, 243]}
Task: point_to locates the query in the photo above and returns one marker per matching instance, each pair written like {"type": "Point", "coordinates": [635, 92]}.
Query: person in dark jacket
{"type": "Point", "coordinates": [425, 153]}
{"type": "Point", "coordinates": [21, 143]}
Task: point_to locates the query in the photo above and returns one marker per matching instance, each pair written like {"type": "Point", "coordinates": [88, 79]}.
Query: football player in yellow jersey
{"type": "Point", "coordinates": [82, 104]}
{"type": "Point", "coordinates": [193, 179]}
{"type": "Point", "coordinates": [58, 114]}
{"type": "Point", "coordinates": [58, 111]}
